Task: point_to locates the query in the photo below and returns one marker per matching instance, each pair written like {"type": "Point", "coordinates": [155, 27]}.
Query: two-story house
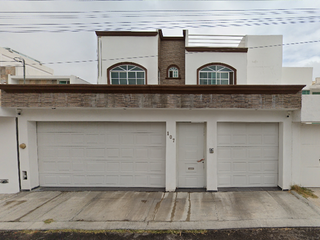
{"type": "Point", "coordinates": [193, 111]}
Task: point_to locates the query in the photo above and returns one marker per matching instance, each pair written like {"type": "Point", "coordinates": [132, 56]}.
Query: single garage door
{"type": "Point", "coordinates": [101, 154]}
{"type": "Point", "coordinates": [248, 154]}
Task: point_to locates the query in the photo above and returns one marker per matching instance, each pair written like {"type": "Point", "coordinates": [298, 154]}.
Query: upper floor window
{"type": "Point", "coordinates": [173, 72]}
{"type": "Point", "coordinates": [216, 74]}
{"type": "Point", "coordinates": [127, 74]}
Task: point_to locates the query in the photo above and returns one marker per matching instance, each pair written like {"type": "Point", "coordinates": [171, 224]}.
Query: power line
{"type": "Point", "coordinates": [152, 56]}
{"type": "Point", "coordinates": [147, 25]}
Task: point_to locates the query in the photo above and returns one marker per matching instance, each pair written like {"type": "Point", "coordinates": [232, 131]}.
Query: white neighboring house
{"type": "Point", "coordinates": [8, 65]}
{"type": "Point", "coordinates": [71, 79]}
{"type": "Point", "coordinates": [168, 113]}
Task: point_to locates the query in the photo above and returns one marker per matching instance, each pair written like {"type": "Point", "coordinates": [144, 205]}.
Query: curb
{"type": "Point", "coordinates": [306, 201]}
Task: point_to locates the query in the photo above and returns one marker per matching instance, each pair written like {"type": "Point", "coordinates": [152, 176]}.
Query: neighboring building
{"type": "Point", "coordinates": [8, 66]}
{"type": "Point", "coordinates": [47, 80]}
{"type": "Point", "coordinates": [150, 122]}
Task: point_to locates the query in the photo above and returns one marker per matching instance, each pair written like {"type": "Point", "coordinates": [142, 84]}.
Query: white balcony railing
{"type": "Point", "coordinates": [208, 40]}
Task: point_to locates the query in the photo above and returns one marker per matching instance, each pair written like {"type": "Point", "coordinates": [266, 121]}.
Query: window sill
{"type": "Point", "coordinates": [173, 78]}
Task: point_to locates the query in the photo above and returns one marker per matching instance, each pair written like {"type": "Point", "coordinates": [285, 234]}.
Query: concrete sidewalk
{"type": "Point", "coordinates": [154, 210]}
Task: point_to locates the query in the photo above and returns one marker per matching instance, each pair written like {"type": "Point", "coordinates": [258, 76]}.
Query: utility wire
{"type": "Point", "coordinates": [152, 56]}
{"type": "Point", "coordinates": [127, 26]}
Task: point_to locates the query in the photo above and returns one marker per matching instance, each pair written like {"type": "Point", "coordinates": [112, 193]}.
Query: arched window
{"type": "Point", "coordinates": [216, 74]}
{"type": "Point", "coordinates": [173, 72]}
{"type": "Point", "coordinates": [127, 74]}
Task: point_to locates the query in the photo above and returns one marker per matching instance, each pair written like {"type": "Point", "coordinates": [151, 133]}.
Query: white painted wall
{"type": "Point", "coordinates": [297, 75]}
{"type": "Point", "coordinates": [71, 78]}
{"type": "Point", "coordinates": [310, 155]}
{"type": "Point", "coordinates": [139, 50]}
{"type": "Point", "coordinates": [194, 60]}
{"type": "Point", "coordinates": [27, 134]}
{"type": "Point", "coordinates": [264, 63]}
{"type": "Point", "coordinates": [8, 155]}
{"type": "Point", "coordinates": [310, 110]}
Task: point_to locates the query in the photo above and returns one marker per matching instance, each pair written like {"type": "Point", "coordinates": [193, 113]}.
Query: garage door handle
{"type": "Point", "coordinates": [201, 160]}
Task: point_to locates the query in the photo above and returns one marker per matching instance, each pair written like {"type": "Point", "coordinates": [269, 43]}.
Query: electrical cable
{"type": "Point", "coordinates": [152, 56]}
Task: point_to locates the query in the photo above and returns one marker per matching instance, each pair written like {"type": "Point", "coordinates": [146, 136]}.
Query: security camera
{"type": "Point", "coordinates": [288, 114]}
{"type": "Point", "coordinates": [19, 111]}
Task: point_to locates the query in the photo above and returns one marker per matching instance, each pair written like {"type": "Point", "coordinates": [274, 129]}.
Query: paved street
{"type": "Point", "coordinates": [154, 210]}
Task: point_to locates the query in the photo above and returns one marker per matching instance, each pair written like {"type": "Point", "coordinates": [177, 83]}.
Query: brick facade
{"type": "Point", "coordinates": [168, 101]}
{"type": "Point", "coordinates": [172, 52]}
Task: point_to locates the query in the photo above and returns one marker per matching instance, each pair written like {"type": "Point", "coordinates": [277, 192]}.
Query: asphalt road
{"type": "Point", "coordinates": [232, 234]}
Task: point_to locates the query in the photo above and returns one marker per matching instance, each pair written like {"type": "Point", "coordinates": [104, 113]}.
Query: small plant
{"type": "Point", "coordinates": [305, 192]}
{"type": "Point", "coordinates": [48, 221]}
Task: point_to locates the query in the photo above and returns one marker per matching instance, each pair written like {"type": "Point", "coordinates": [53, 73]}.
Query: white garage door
{"type": "Point", "coordinates": [248, 154]}
{"type": "Point", "coordinates": [101, 154]}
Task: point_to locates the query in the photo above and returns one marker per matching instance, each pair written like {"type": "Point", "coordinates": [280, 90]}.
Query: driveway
{"type": "Point", "coordinates": [154, 210]}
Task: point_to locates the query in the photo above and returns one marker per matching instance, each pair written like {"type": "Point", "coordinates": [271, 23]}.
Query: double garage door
{"type": "Point", "coordinates": [101, 154]}
{"type": "Point", "coordinates": [248, 154]}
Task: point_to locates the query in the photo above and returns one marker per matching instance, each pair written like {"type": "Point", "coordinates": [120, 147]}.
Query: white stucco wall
{"type": "Point", "coordinates": [211, 118]}
{"type": "Point", "coordinates": [8, 155]}
{"type": "Point", "coordinates": [194, 60]}
{"type": "Point", "coordinates": [309, 153]}
{"type": "Point", "coordinates": [297, 75]}
{"type": "Point", "coordinates": [310, 110]}
{"type": "Point", "coordinates": [139, 50]}
{"type": "Point", "coordinates": [71, 78]}
{"type": "Point", "coordinates": [264, 63]}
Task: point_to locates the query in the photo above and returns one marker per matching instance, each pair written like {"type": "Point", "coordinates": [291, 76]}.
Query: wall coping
{"type": "Point", "coordinates": [152, 89]}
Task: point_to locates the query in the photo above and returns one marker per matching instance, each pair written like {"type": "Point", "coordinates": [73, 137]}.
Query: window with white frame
{"type": "Point", "coordinates": [127, 74]}
{"type": "Point", "coordinates": [216, 75]}
{"type": "Point", "coordinates": [173, 72]}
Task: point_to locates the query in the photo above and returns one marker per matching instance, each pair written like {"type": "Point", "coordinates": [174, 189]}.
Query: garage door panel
{"type": "Point", "coordinates": [101, 154]}
{"type": "Point", "coordinates": [95, 180]}
{"type": "Point", "coordinates": [255, 166]}
{"type": "Point", "coordinates": [224, 139]}
{"type": "Point", "coordinates": [239, 139]}
{"type": "Point", "coordinates": [95, 153]}
{"type": "Point", "coordinates": [224, 166]}
{"type": "Point", "coordinates": [113, 166]}
{"type": "Point", "coordinates": [224, 153]}
{"type": "Point", "coordinates": [253, 162]}
{"type": "Point", "coordinates": [239, 153]}
{"type": "Point", "coordinates": [255, 180]}
{"type": "Point", "coordinates": [239, 167]}
{"type": "Point", "coordinates": [49, 166]}
{"type": "Point", "coordinates": [271, 179]}
{"type": "Point", "coordinates": [271, 140]}
{"type": "Point", "coordinates": [254, 152]}
{"type": "Point", "coordinates": [270, 152]}
{"type": "Point", "coordinates": [126, 153]}
{"type": "Point", "coordinates": [270, 166]}
{"type": "Point", "coordinates": [239, 180]}
{"type": "Point", "coordinates": [255, 139]}
{"type": "Point", "coordinates": [112, 152]}
{"type": "Point", "coordinates": [224, 180]}
{"type": "Point", "coordinates": [79, 180]}
{"type": "Point", "coordinates": [78, 166]}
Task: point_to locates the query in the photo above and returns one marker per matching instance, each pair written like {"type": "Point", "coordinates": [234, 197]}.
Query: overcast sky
{"type": "Point", "coordinates": [64, 31]}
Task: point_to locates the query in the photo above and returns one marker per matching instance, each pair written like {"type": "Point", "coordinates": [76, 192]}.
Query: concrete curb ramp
{"type": "Point", "coordinates": [90, 210]}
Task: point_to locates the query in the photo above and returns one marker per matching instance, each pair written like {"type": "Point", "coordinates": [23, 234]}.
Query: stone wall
{"type": "Point", "coordinates": [168, 101]}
